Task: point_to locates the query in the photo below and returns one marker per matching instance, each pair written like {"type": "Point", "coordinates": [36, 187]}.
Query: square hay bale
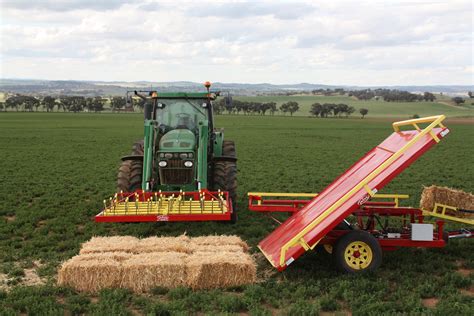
{"type": "Point", "coordinates": [220, 241]}
{"type": "Point", "coordinates": [142, 272]}
{"type": "Point", "coordinates": [447, 196]}
{"type": "Point", "coordinates": [110, 244]}
{"type": "Point", "coordinates": [115, 255]}
{"type": "Point", "coordinates": [216, 248]}
{"type": "Point", "coordinates": [209, 270]}
{"type": "Point", "coordinates": [164, 244]}
{"type": "Point", "coordinates": [90, 275]}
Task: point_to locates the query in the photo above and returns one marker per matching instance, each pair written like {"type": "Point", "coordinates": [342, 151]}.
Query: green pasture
{"type": "Point", "coordinates": [376, 108]}
{"type": "Point", "coordinates": [56, 168]}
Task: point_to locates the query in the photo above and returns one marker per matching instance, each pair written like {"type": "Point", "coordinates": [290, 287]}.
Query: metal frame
{"type": "Point", "coordinates": [369, 211]}
{"type": "Point", "coordinates": [299, 238]}
{"type": "Point", "coordinates": [144, 206]}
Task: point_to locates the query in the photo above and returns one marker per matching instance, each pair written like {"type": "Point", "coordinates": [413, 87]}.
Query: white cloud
{"type": "Point", "coordinates": [337, 42]}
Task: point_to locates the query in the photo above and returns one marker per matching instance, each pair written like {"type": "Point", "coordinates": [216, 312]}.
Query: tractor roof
{"type": "Point", "coordinates": [187, 95]}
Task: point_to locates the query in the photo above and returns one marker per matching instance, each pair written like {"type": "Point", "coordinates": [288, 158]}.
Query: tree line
{"type": "Point", "coordinates": [229, 106]}
{"type": "Point", "coordinates": [334, 110]}
{"type": "Point", "coordinates": [68, 103]}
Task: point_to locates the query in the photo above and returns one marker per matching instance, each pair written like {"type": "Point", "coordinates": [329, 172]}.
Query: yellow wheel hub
{"type": "Point", "coordinates": [358, 255]}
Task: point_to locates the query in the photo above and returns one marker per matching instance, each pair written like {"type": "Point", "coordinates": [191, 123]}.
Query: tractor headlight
{"type": "Point", "coordinates": [162, 155]}
{"type": "Point", "coordinates": [190, 155]}
{"type": "Point", "coordinates": [188, 164]}
{"type": "Point", "coordinates": [162, 164]}
{"type": "Point", "coordinates": [183, 155]}
{"type": "Point", "coordinates": [168, 155]}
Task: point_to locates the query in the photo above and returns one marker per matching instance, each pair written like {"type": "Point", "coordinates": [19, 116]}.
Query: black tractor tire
{"type": "Point", "coordinates": [224, 176]}
{"type": "Point", "coordinates": [357, 252]}
{"type": "Point", "coordinates": [129, 177]}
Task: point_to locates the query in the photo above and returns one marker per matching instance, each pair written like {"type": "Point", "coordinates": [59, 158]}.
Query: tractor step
{"type": "Point", "coordinates": [141, 206]}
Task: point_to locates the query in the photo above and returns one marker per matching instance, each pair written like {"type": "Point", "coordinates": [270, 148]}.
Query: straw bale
{"type": "Point", "coordinates": [110, 244]}
{"type": "Point", "coordinates": [164, 244]}
{"type": "Point", "coordinates": [143, 272]}
{"type": "Point", "coordinates": [114, 255]}
{"type": "Point", "coordinates": [207, 270]}
{"type": "Point", "coordinates": [220, 240]}
{"type": "Point", "coordinates": [216, 248]}
{"type": "Point", "coordinates": [447, 196]}
{"type": "Point", "coordinates": [90, 275]}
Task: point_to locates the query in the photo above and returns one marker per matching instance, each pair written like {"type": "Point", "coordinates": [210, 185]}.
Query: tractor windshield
{"type": "Point", "coordinates": [181, 113]}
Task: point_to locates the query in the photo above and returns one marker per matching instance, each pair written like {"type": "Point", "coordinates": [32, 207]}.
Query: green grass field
{"type": "Point", "coordinates": [56, 169]}
{"type": "Point", "coordinates": [376, 108]}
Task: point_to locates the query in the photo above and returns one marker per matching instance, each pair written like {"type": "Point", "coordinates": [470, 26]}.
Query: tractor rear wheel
{"type": "Point", "coordinates": [224, 176]}
{"type": "Point", "coordinates": [129, 177]}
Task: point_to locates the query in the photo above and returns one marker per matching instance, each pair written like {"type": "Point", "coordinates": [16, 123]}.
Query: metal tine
{"type": "Point", "coordinates": [212, 205]}
{"type": "Point", "coordinates": [201, 200]}
{"type": "Point", "coordinates": [181, 196]}
{"type": "Point", "coordinates": [136, 202]}
{"type": "Point", "coordinates": [190, 205]}
{"type": "Point", "coordinates": [126, 205]}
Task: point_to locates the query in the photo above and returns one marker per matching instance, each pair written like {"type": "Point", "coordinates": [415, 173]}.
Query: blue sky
{"type": "Point", "coordinates": [329, 42]}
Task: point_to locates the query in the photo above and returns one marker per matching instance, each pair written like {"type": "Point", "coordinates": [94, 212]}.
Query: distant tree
{"type": "Point", "coordinates": [30, 102]}
{"type": "Point", "coordinates": [428, 96]}
{"type": "Point", "coordinates": [415, 116]}
{"type": "Point", "coordinates": [77, 104]}
{"type": "Point", "coordinates": [293, 107]}
{"type": "Point", "coordinates": [48, 103]}
{"type": "Point", "coordinates": [12, 102]}
{"type": "Point", "coordinates": [458, 100]}
{"type": "Point", "coordinates": [350, 110]}
{"type": "Point", "coordinates": [284, 108]}
{"type": "Point", "coordinates": [470, 94]}
{"type": "Point", "coordinates": [341, 109]}
{"type": "Point", "coordinates": [98, 104]}
{"type": "Point", "coordinates": [363, 112]}
{"type": "Point", "coordinates": [316, 109]}
{"type": "Point", "coordinates": [65, 103]}
{"type": "Point", "coordinates": [326, 109]}
{"type": "Point", "coordinates": [117, 103]}
{"type": "Point", "coordinates": [272, 107]}
{"type": "Point", "coordinates": [2, 106]}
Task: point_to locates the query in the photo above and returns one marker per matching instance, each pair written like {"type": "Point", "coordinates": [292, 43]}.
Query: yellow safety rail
{"type": "Point", "coordinates": [439, 210]}
{"type": "Point", "coordinates": [299, 238]}
{"type": "Point", "coordinates": [281, 194]}
{"type": "Point", "coordinates": [395, 197]}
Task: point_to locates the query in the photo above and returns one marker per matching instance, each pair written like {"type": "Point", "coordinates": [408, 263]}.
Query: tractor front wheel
{"type": "Point", "coordinates": [357, 251]}
{"type": "Point", "coordinates": [129, 177]}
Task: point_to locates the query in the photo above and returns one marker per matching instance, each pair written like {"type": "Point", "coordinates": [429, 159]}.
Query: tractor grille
{"type": "Point", "coordinates": [176, 173]}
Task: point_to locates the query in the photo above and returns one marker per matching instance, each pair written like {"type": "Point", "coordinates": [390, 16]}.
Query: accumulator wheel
{"type": "Point", "coordinates": [356, 252]}
{"type": "Point", "coordinates": [129, 177]}
{"type": "Point", "coordinates": [224, 176]}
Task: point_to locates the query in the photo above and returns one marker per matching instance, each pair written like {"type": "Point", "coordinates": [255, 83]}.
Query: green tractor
{"type": "Point", "coordinates": [183, 162]}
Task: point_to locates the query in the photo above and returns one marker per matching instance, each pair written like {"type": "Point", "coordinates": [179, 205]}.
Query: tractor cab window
{"type": "Point", "coordinates": [180, 114]}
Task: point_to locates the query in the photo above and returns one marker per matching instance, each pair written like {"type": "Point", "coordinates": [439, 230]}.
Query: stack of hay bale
{"type": "Point", "coordinates": [447, 196]}
{"type": "Point", "coordinates": [142, 264]}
